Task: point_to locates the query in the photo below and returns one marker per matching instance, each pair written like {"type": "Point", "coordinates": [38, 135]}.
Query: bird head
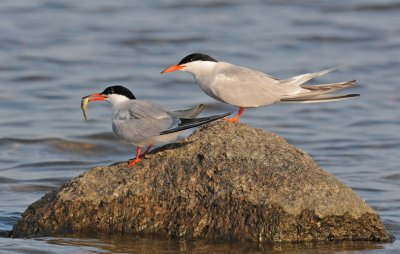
{"type": "Point", "coordinates": [194, 63]}
{"type": "Point", "coordinates": [113, 94]}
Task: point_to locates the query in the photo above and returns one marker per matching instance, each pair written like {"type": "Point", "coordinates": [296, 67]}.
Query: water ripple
{"type": "Point", "coordinates": [33, 78]}
{"type": "Point", "coordinates": [54, 52]}
{"type": "Point", "coordinates": [161, 41]}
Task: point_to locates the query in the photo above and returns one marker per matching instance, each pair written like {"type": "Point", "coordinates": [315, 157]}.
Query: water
{"type": "Point", "coordinates": [54, 52]}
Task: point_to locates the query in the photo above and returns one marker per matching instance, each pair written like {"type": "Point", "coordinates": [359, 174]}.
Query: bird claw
{"type": "Point", "coordinates": [236, 118]}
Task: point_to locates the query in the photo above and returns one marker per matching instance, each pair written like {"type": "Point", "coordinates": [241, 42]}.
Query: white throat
{"type": "Point", "coordinates": [115, 99]}
{"type": "Point", "coordinates": [204, 74]}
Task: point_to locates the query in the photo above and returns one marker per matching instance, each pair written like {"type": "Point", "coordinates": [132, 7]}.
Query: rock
{"type": "Point", "coordinates": [225, 181]}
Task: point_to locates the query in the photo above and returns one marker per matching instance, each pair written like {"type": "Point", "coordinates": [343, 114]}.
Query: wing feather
{"type": "Point", "coordinates": [245, 87]}
{"type": "Point", "coordinates": [137, 121]}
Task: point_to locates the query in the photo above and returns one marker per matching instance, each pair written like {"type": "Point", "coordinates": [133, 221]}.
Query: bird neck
{"type": "Point", "coordinates": [116, 99]}
{"type": "Point", "coordinates": [199, 69]}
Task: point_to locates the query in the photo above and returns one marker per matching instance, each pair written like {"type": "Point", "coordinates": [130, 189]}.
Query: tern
{"type": "Point", "coordinates": [248, 88]}
{"type": "Point", "coordinates": [143, 123]}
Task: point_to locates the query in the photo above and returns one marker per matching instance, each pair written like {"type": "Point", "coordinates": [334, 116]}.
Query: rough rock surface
{"type": "Point", "coordinates": [225, 181]}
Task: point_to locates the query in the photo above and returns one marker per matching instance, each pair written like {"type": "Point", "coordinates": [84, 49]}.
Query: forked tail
{"type": "Point", "coordinates": [321, 93]}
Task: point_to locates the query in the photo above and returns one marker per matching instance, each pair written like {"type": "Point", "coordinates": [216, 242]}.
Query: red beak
{"type": "Point", "coordinates": [175, 67]}
{"type": "Point", "coordinates": [95, 97]}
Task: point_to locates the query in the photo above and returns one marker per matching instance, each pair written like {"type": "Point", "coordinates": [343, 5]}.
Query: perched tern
{"type": "Point", "coordinates": [143, 123]}
{"type": "Point", "coordinates": [247, 88]}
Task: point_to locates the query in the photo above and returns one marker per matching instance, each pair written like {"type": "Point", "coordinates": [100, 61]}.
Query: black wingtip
{"type": "Point", "coordinates": [191, 123]}
{"type": "Point", "coordinates": [206, 119]}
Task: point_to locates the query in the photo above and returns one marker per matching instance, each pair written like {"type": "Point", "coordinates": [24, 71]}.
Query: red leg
{"type": "Point", "coordinates": [147, 150]}
{"type": "Point", "coordinates": [236, 118]}
{"type": "Point", "coordinates": [136, 160]}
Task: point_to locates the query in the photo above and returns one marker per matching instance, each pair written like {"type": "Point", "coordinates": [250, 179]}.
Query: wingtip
{"type": "Point", "coordinates": [191, 123]}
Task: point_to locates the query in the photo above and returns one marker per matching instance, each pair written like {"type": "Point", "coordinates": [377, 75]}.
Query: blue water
{"type": "Point", "coordinates": [54, 52]}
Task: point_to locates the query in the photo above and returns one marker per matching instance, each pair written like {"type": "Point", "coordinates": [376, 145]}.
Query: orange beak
{"type": "Point", "coordinates": [95, 97]}
{"type": "Point", "coordinates": [175, 67]}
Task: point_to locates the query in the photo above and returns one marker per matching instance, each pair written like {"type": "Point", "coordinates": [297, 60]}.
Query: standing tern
{"type": "Point", "coordinates": [143, 123]}
{"type": "Point", "coordinates": [247, 88]}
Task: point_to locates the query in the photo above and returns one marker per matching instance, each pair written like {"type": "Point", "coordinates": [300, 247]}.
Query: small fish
{"type": "Point", "coordinates": [84, 105]}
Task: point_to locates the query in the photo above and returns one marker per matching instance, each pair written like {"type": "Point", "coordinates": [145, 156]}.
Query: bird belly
{"type": "Point", "coordinates": [160, 139]}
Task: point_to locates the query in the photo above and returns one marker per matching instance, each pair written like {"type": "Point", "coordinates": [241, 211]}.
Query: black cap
{"type": "Point", "coordinates": [197, 57]}
{"type": "Point", "coordinates": [119, 90]}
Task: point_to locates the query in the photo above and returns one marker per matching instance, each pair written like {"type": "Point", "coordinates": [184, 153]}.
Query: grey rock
{"type": "Point", "coordinates": [225, 181]}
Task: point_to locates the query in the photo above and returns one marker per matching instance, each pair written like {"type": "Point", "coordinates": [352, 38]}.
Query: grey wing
{"type": "Point", "coordinates": [245, 87]}
{"type": "Point", "coordinates": [138, 121]}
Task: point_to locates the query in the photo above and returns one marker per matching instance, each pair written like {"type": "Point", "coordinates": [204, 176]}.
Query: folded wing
{"type": "Point", "coordinates": [137, 121]}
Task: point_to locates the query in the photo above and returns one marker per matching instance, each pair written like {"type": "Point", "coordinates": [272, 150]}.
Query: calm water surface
{"type": "Point", "coordinates": [54, 52]}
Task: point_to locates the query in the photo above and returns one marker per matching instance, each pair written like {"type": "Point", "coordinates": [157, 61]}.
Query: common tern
{"type": "Point", "coordinates": [248, 88]}
{"type": "Point", "coordinates": [143, 123]}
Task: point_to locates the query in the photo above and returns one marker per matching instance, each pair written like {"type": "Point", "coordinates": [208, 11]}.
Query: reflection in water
{"type": "Point", "coordinates": [154, 245]}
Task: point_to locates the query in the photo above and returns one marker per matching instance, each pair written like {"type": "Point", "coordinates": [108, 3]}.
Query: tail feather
{"type": "Point", "coordinates": [187, 123]}
{"type": "Point", "coordinates": [319, 98]}
{"type": "Point", "coordinates": [320, 93]}
{"type": "Point", "coordinates": [328, 88]}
